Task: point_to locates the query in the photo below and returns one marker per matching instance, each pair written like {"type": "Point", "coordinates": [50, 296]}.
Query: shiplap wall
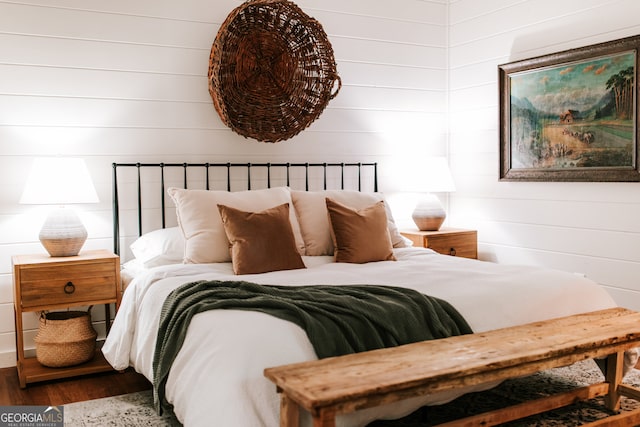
{"type": "Point", "coordinates": [126, 81]}
{"type": "Point", "coordinates": [588, 228]}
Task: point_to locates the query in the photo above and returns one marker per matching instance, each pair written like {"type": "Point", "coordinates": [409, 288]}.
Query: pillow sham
{"type": "Point", "coordinates": [360, 235]}
{"type": "Point", "coordinates": [311, 211]}
{"type": "Point", "coordinates": [260, 241]}
{"type": "Point", "coordinates": [201, 225]}
{"type": "Point", "coordinates": [159, 247]}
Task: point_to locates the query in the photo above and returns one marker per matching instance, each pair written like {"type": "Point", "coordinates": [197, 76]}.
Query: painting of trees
{"type": "Point", "coordinates": [622, 85]}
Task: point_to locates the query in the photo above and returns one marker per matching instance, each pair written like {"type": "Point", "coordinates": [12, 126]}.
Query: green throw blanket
{"type": "Point", "coordinates": [337, 319]}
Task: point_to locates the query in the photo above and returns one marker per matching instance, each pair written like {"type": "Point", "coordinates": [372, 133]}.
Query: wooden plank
{"type": "Point", "coordinates": [377, 397]}
{"type": "Point", "coordinates": [630, 392]}
{"type": "Point", "coordinates": [626, 419]}
{"type": "Point", "coordinates": [522, 348]}
{"type": "Point", "coordinates": [35, 372]}
{"type": "Point", "coordinates": [613, 376]}
{"type": "Point", "coordinates": [289, 412]}
{"type": "Point", "coordinates": [344, 384]}
{"type": "Point", "coordinates": [532, 407]}
{"type": "Point", "coordinates": [325, 417]}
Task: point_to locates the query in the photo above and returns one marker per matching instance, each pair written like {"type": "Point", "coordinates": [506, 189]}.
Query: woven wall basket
{"type": "Point", "coordinates": [65, 338]}
{"type": "Point", "coordinates": [271, 70]}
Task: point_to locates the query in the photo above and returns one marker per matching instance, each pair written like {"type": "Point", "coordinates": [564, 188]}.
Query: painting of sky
{"type": "Point", "coordinates": [571, 86]}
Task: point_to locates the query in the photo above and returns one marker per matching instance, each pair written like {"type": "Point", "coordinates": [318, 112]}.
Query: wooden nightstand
{"type": "Point", "coordinates": [447, 241]}
{"type": "Point", "coordinates": [42, 282]}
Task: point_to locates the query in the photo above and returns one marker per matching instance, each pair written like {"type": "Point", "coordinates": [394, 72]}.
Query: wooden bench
{"type": "Point", "coordinates": [344, 384]}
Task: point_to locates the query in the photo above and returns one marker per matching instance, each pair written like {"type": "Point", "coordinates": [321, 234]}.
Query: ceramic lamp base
{"type": "Point", "coordinates": [429, 214]}
{"type": "Point", "coordinates": [62, 233]}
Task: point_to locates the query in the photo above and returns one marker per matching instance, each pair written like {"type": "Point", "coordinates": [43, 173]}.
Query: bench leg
{"type": "Point", "coordinates": [325, 418]}
{"type": "Point", "coordinates": [289, 412]}
{"type": "Point", "coordinates": [613, 375]}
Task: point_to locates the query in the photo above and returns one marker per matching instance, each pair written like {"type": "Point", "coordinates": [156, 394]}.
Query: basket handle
{"type": "Point", "coordinates": [43, 313]}
{"type": "Point", "coordinates": [335, 92]}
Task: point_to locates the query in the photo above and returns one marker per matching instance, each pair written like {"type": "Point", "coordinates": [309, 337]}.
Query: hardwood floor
{"type": "Point", "coordinates": [68, 390]}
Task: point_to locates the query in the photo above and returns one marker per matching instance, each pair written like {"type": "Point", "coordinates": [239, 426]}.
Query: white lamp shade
{"type": "Point", "coordinates": [59, 181]}
{"type": "Point", "coordinates": [428, 175]}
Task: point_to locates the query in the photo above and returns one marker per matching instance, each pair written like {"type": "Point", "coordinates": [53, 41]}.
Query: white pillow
{"type": "Point", "coordinates": [159, 247]}
{"type": "Point", "coordinates": [201, 224]}
{"type": "Point", "coordinates": [311, 208]}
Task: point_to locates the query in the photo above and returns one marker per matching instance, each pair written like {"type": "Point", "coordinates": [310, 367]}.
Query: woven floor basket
{"type": "Point", "coordinates": [65, 338]}
{"type": "Point", "coordinates": [271, 70]}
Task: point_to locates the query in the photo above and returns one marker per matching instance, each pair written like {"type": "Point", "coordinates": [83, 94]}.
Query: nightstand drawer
{"type": "Point", "coordinates": [459, 245]}
{"type": "Point", "coordinates": [447, 241]}
{"type": "Point", "coordinates": [73, 284]}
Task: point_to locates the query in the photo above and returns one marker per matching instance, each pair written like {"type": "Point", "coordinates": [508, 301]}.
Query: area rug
{"type": "Point", "coordinates": [127, 410]}
{"type": "Point", "coordinates": [136, 409]}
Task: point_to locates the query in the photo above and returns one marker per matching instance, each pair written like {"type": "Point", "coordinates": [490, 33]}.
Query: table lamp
{"type": "Point", "coordinates": [433, 176]}
{"type": "Point", "coordinates": [60, 181]}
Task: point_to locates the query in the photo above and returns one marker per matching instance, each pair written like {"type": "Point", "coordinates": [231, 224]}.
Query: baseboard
{"type": "Point", "coordinates": [7, 359]}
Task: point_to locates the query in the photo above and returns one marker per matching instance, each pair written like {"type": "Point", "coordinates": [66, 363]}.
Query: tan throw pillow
{"type": "Point", "coordinates": [360, 236]}
{"type": "Point", "coordinates": [201, 225]}
{"type": "Point", "coordinates": [260, 241]}
{"type": "Point", "coordinates": [311, 211]}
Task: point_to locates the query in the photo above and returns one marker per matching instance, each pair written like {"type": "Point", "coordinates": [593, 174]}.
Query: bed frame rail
{"type": "Point", "coordinates": [249, 168]}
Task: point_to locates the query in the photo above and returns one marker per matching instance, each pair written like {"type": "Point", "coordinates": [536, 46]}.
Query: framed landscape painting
{"type": "Point", "coordinates": [571, 116]}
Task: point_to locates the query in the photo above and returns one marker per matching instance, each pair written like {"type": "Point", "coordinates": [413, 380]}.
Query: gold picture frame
{"type": "Point", "coordinates": [572, 115]}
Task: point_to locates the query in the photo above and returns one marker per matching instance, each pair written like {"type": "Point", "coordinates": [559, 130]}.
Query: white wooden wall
{"type": "Point", "coordinates": [588, 228]}
{"type": "Point", "coordinates": [125, 80]}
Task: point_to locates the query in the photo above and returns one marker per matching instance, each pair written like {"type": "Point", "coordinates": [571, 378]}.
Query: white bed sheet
{"type": "Point", "coordinates": [217, 377]}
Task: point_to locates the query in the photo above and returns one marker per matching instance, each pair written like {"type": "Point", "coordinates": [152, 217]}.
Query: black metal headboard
{"type": "Point", "coordinates": [228, 175]}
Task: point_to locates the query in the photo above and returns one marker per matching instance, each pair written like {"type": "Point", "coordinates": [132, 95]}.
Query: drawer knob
{"type": "Point", "coordinates": [69, 288]}
{"type": "Point", "coordinates": [452, 251]}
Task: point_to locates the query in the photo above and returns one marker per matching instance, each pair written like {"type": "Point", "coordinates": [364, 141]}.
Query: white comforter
{"type": "Point", "coordinates": [218, 374]}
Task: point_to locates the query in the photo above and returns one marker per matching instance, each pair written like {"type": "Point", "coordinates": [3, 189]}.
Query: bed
{"type": "Point", "coordinates": [217, 373]}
